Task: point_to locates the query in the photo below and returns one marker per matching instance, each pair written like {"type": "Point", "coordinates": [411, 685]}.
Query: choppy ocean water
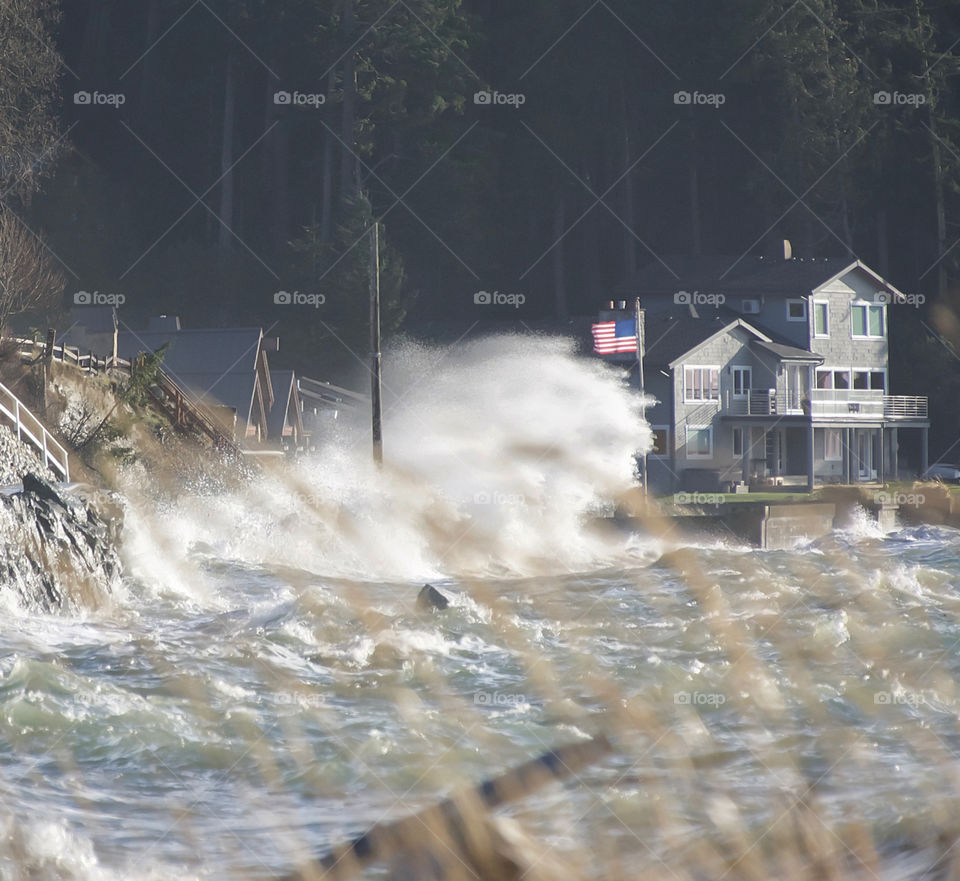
{"type": "Point", "coordinates": [262, 686]}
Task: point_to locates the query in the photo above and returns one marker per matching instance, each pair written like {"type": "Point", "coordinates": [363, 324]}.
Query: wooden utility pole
{"type": "Point", "coordinates": [638, 315]}
{"type": "Point", "coordinates": [375, 356]}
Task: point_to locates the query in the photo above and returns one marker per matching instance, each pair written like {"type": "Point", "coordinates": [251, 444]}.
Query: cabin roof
{"type": "Point", "coordinates": [216, 364]}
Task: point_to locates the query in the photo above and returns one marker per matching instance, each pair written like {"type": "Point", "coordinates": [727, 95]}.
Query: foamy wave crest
{"type": "Point", "coordinates": [496, 452]}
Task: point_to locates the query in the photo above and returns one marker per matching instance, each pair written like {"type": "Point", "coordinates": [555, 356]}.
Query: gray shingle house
{"type": "Point", "coordinates": [773, 372]}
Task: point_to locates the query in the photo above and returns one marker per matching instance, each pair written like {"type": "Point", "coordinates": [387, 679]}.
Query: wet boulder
{"type": "Point", "coordinates": [57, 550]}
{"type": "Point", "coordinates": [431, 598]}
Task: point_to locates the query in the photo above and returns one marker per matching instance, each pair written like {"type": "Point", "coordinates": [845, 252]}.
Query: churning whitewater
{"type": "Point", "coordinates": [496, 452]}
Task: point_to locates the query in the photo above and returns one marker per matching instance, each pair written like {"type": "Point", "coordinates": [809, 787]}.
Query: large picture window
{"type": "Point", "coordinates": [701, 384]}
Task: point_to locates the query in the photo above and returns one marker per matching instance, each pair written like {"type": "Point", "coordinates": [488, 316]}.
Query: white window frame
{"type": "Point", "coordinates": [686, 389]}
{"type": "Point", "coordinates": [802, 302]}
{"type": "Point", "coordinates": [743, 368]}
{"type": "Point", "coordinates": [839, 437]}
{"type": "Point", "coordinates": [867, 305]}
{"type": "Point", "coordinates": [734, 432]}
{"type": "Point", "coordinates": [665, 455]}
{"type": "Point", "coordinates": [833, 371]}
{"type": "Point", "coordinates": [709, 430]}
{"type": "Point", "coordinates": [826, 331]}
{"type": "Point", "coordinates": [849, 372]}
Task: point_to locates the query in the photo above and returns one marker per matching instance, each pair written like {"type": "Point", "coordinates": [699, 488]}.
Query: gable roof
{"type": "Point", "coordinates": [669, 336]}
{"type": "Point", "coordinates": [219, 365]}
{"type": "Point", "coordinates": [744, 276]}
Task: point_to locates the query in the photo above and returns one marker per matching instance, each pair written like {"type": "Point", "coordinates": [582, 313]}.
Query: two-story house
{"type": "Point", "coordinates": [773, 371]}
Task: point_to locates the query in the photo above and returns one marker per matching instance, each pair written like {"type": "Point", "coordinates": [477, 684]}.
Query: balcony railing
{"type": "Point", "coordinates": [867, 404]}
{"type": "Point", "coordinates": [762, 402]}
{"type": "Point", "coordinates": [830, 403]}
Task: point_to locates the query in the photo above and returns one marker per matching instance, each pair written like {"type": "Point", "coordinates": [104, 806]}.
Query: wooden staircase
{"type": "Point", "coordinates": [32, 432]}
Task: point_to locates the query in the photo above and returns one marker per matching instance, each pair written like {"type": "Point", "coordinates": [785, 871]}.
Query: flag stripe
{"type": "Point", "coordinates": [613, 337]}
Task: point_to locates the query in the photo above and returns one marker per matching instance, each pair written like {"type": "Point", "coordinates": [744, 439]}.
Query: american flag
{"type": "Point", "coordinates": [610, 337]}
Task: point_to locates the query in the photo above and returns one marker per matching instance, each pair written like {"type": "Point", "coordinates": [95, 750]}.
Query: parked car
{"type": "Point", "coordinates": [946, 473]}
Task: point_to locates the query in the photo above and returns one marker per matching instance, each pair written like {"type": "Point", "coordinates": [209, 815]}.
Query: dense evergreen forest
{"type": "Point", "coordinates": [201, 156]}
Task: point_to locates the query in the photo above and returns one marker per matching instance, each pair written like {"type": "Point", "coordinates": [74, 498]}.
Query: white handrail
{"type": "Point", "coordinates": [31, 430]}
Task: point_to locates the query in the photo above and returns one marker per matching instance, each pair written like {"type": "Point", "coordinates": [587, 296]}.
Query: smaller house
{"type": "Point", "coordinates": [226, 371]}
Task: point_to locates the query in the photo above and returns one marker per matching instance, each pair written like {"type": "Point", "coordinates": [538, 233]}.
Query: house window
{"type": "Point", "coordinates": [861, 379]}
{"type": "Point", "coordinates": [878, 380]}
{"type": "Point", "coordinates": [750, 307]}
{"type": "Point", "coordinates": [699, 442]}
{"type": "Point", "coordinates": [867, 321]}
{"type": "Point", "coordinates": [737, 443]}
{"type": "Point", "coordinates": [741, 381]}
{"type": "Point", "coordinates": [701, 384]}
{"type": "Point", "coordinates": [661, 437]}
{"type": "Point", "coordinates": [832, 447]}
{"type": "Point", "coordinates": [821, 315]}
{"type": "Point", "coordinates": [831, 378]}
{"type": "Point", "coordinates": [796, 310]}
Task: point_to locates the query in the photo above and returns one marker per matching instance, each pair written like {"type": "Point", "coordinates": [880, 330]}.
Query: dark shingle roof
{"type": "Point", "coordinates": [218, 365]}
{"type": "Point", "coordinates": [787, 352]}
{"type": "Point", "coordinates": [733, 276]}
{"type": "Point", "coordinates": [669, 335]}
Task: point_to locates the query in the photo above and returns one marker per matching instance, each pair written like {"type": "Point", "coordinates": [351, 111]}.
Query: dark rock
{"type": "Point", "coordinates": [431, 598]}
{"type": "Point", "coordinates": [56, 550]}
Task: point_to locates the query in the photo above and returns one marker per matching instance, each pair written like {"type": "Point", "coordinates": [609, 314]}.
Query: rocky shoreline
{"type": "Point", "coordinates": [58, 547]}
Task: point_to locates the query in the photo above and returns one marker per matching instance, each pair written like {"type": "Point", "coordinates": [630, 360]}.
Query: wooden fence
{"type": "Point", "coordinates": [181, 407]}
